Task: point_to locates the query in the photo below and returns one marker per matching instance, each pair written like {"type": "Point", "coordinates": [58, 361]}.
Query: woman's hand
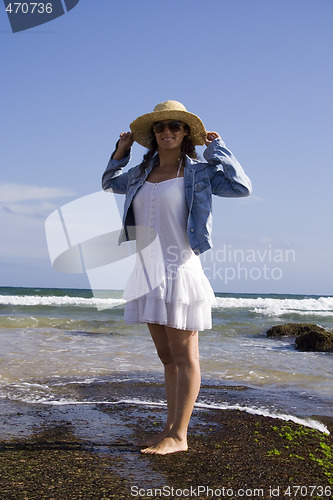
{"type": "Point", "coordinates": [125, 142]}
{"type": "Point", "coordinates": [210, 137]}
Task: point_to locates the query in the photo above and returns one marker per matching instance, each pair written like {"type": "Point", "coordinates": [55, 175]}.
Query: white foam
{"type": "Point", "coordinates": [307, 422]}
{"type": "Point", "coordinates": [276, 311]}
{"type": "Point", "coordinates": [321, 306]}
{"type": "Point", "coordinates": [36, 300]}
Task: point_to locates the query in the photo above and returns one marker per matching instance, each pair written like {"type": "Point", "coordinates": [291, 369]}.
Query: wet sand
{"type": "Point", "coordinates": [91, 452]}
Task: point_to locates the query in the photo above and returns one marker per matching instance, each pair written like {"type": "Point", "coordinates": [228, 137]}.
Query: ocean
{"type": "Point", "coordinates": [66, 347]}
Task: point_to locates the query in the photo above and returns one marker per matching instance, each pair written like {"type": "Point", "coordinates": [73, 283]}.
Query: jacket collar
{"type": "Point", "coordinates": [194, 164]}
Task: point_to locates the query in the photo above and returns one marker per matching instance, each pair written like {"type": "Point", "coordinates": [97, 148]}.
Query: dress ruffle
{"type": "Point", "coordinates": [182, 299]}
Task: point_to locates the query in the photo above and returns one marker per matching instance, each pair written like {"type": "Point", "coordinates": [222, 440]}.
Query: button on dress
{"type": "Point", "coordinates": [167, 285]}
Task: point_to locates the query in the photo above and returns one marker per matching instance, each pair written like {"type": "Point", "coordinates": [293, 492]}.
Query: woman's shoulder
{"type": "Point", "coordinates": [198, 165]}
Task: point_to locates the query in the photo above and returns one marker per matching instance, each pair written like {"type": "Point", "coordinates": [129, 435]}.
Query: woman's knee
{"type": "Point", "coordinates": [184, 356]}
{"type": "Point", "coordinates": [161, 342]}
{"type": "Point", "coordinates": [165, 355]}
{"type": "Point", "coordinates": [175, 347]}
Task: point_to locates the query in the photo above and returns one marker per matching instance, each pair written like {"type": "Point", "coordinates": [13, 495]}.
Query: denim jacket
{"type": "Point", "coordinates": [220, 174]}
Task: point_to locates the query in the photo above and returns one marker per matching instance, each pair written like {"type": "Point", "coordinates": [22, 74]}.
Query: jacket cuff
{"type": "Point", "coordinates": [210, 151]}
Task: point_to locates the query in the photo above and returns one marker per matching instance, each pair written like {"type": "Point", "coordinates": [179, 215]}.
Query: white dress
{"type": "Point", "coordinates": [167, 285]}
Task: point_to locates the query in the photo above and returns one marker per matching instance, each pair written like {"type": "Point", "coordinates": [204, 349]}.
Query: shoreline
{"type": "Point", "coordinates": [284, 404]}
{"type": "Point", "coordinates": [150, 394]}
{"type": "Point", "coordinates": [88, 452]}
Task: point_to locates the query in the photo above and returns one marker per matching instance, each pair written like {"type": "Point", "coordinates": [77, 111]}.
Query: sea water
{"type": "Point", "coordinates": [54, 342]}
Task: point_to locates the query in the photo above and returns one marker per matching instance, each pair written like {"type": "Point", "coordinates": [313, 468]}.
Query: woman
{"type": "Point", "coordinates": [169, 204]}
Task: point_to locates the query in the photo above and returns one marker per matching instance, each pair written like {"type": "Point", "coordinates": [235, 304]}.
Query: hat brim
{"type": "Point", "coordinates": [142, 126]}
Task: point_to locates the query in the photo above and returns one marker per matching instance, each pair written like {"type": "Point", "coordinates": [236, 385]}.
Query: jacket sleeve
{"type": "Point", "coordinates": [113, 178]}
{"type": "Point", "coordinates": [227, 176]}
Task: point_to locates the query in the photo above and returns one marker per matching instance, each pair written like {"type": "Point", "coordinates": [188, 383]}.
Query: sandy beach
{"type": "Point", "coordinates": [91, 452]}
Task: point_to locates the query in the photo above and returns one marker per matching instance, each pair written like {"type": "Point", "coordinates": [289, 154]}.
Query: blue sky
{"type": "Point", "coordinates": [259, 72]}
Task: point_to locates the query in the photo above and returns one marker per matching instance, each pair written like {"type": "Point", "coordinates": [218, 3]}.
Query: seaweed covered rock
{"type": "Point", "coordinates": [315, 341]}
{"type": "Point", "coordinates": [309, 337]}
{"type": "Point", "coordinates": [294, 329]}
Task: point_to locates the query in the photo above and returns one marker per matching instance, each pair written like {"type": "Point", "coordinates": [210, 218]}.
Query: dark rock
{"type": "Point", "coordinates": [315, 341]}
{"type": "Point", "coordinates": [294, 329]}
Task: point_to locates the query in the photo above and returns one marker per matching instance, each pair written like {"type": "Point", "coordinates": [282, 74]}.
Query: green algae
{"type": "Point", "coordinates": [247, 451]}
{"type": "Point", "coordinates": [226, 449]}
{"type": "Point", "coordinates": [321, 452]}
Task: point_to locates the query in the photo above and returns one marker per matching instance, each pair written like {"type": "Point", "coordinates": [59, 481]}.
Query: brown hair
{"type": "Point", "coordinates": [187, 149]}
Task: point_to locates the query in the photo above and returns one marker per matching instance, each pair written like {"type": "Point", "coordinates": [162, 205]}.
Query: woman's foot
{"type": "Point", "coordinates": [165, 446]}
{"type": "Point", "coordinates": [154, 439]}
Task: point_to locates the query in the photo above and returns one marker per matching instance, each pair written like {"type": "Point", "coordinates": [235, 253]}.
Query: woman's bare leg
{"type": "Point", "coordinates": [184, 350]}
{"type": "Point", "coordinates": [161, 341]}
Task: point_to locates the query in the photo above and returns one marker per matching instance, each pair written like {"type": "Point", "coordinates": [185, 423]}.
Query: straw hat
{"type": "Point", "coordinates": [168, 110]}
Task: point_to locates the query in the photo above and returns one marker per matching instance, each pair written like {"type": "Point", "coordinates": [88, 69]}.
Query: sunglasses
{"type": "Point", "coordinates": [174, 126]}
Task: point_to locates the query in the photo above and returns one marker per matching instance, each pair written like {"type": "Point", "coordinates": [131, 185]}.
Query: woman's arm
{"type": "Point", "coordinates": [230, 180]}
{"type": "Point", "coordinates": [113, 178]}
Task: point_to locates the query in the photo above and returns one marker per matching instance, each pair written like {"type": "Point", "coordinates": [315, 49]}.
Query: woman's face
{"type": "Point", "coordinates": [169, 134]}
